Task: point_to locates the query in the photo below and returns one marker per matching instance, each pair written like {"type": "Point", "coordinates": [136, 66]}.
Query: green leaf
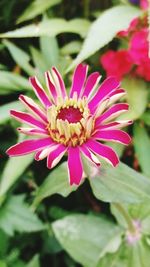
{"type": "Point", "coordinates": [146, 118]}
{"type": "Point", "coordinates": [10, 82]}
{"type": "Point", "coordinates": [104, 29]}
{"type": "Point", "coordinates": [120, 216]}
{"type": "Point", "coordinates": [38, 59]}
{"type": "Point", "coordinates": [137, 97]}
{"type": "Point", "coordinates": [51, 27]}
{"type": "Point", "coordinates": [73, 47]}
{"type": "Point", "coordinates": [139, 255]}
{"type": "Point", "coordinates": [136, 255]}
{"type": "Point", "coordinates": [34, 262]}
{"type": "Point", "coordinates": [4, 244]}
{"type": "Point", "coordinates": [39, 62]}
{"type": "Point", "coordinates": [87, 238]}
{"type": "Point", "coordinates": [138, 212]}
{"type": "Point", "coordinates": [5, 110]}
{"type": "Point", "coordinates": [50, 50]}
{"type": "Point", "coordinates": [142, 214]}
{"type": "Point", "coordinates": [11, 173]}
{"type": "Point", "coordinates": [15, 215]}
{"type": "Point", "coordinates": [20, 57]}
{"type": "Point", "coordinates": [56, 183]}
{"type": "Point", "coordinates": [35, 8]}
{"type": "Point", "coordinates": [142, 147]}
{"type": "Point", "coordinates": [120, 184]}
{"type": "Point", "coordinates": [2, 67]}
{"type": "Point", "coordinates": [3, 263]}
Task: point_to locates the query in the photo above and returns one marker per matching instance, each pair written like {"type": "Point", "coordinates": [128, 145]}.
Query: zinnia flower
{"type": "Point", "coordinates": [74, 124]}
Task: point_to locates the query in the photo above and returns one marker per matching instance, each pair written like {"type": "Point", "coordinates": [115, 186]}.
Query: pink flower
{"type": "Point", "coordinates": [144, 4]}
{"type": "Point", "coordinates": [117, 63]}
{"type": "Point", "coordinates": [143, 70]}
{"type": "Point", "coordinates": [74, 124]}
{"type": "Point", "coordinates": [132, 27]}
{"type": "Point", "coordinates": [138, 49]}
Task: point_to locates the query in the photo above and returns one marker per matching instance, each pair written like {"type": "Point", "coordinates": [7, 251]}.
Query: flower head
{"type": "Point", "coordinates": [74, 124]}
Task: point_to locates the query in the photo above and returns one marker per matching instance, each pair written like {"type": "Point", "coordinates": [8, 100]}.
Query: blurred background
{"type": "Point", "coordinates": [36, 35]}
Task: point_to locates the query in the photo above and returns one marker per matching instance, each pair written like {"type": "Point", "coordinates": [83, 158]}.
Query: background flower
{"type": "Point", "coordinates": [134, 59]}
{"type": "Point", "coordinates": [117, 63]}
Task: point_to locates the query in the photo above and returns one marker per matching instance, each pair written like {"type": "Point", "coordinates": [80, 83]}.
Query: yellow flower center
{"type": "Point", "coordinates": [70, 121]}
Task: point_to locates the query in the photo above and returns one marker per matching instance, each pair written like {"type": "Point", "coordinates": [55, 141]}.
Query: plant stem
{"type": "Point", "coordinates": [126, 216]}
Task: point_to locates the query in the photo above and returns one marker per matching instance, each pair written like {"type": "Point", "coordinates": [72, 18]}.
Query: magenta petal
{"type": "Point", "coordinates": [91, 82]}
{"type": "Point", "coordinates": [112, 112]}
{"type": "Point", "coordinates": [33, 107]}
{"type": "Point", "coordinates": [113, 135]}
{"type": "Point", "coordinates": [55, 156]}
{"type": "Point", "coordinates": [74, 165]}
{"type": "Point", "coordinates": [78, 79]}
{"type": "Point", "coordinates": [28, 146]}
{"type": "Point", "coordinates": [33, 131]}
{"type": "Point", "coordinates": [89, 154]}
{"type": "Point", "coordinates": [115, 125]}
{"type": "Point", "coordinates": [49, 148]}
{"type": "Point", "coordinates": [104, 90]}
{"type": "Point", "coordinates": [117, 92]}
{"type": "Point", "coordinates": [39, 91]}
{"type": "Point", "coordinates": [103, 151]}
{"type": "Point", "coordinates": [61, 82]}
{"type": "Point", "coordinates": [51, 87]}
{"type": "Point", "coordinates": [27, 118]}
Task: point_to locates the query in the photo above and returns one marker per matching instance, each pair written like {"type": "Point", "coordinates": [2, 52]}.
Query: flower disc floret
{"type": "Point", "coordinates": [70, 122]}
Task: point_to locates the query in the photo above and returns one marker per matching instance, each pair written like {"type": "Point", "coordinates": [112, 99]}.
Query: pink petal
{"type": "Point", "coordinates": [55, 156]}
{"type": "Point", "coordinates": [103, 151]}
{"type": "Point", "coordinates": [116, 92]}
{"type": "Point", "coordinates": [61, 82]}
{"type": "Point", "coordinates": [74, 165]}
{"type": "Point", "coordinates": [28, 146]}
{"type": "Point", "coordinates": [39, 91]}
{"type": "Point", "coordinates": [116, 95]}
{"type": "Point", "coordinates": [78, 79]}
{"type": "Point", "coordinates": [91, 82]}
{"type": "Point", "coordinates": [33, 131]}
{"type": "Point", "coordinates": [27, 118]}
{"type": "Point", "coordinates": [33, 107]}
{"type": "Point", "coordinates": [115, 125]}
{"type": "Point", "coordinates": [112, 113]}
{"type": "Point", "coordinates": [104, 90]}
{"type": "Point", "coordinates": [113, 135]}
{"type": "Point", "coordinates": [89, 155]}
{"type": "Point", "coordinates": [51, 87]}
{"type": "Point", "coordinates": [43, 153]}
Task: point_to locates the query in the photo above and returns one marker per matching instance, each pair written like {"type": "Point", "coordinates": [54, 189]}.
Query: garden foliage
{"type": "Point", "coordinates": [105, 220]}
